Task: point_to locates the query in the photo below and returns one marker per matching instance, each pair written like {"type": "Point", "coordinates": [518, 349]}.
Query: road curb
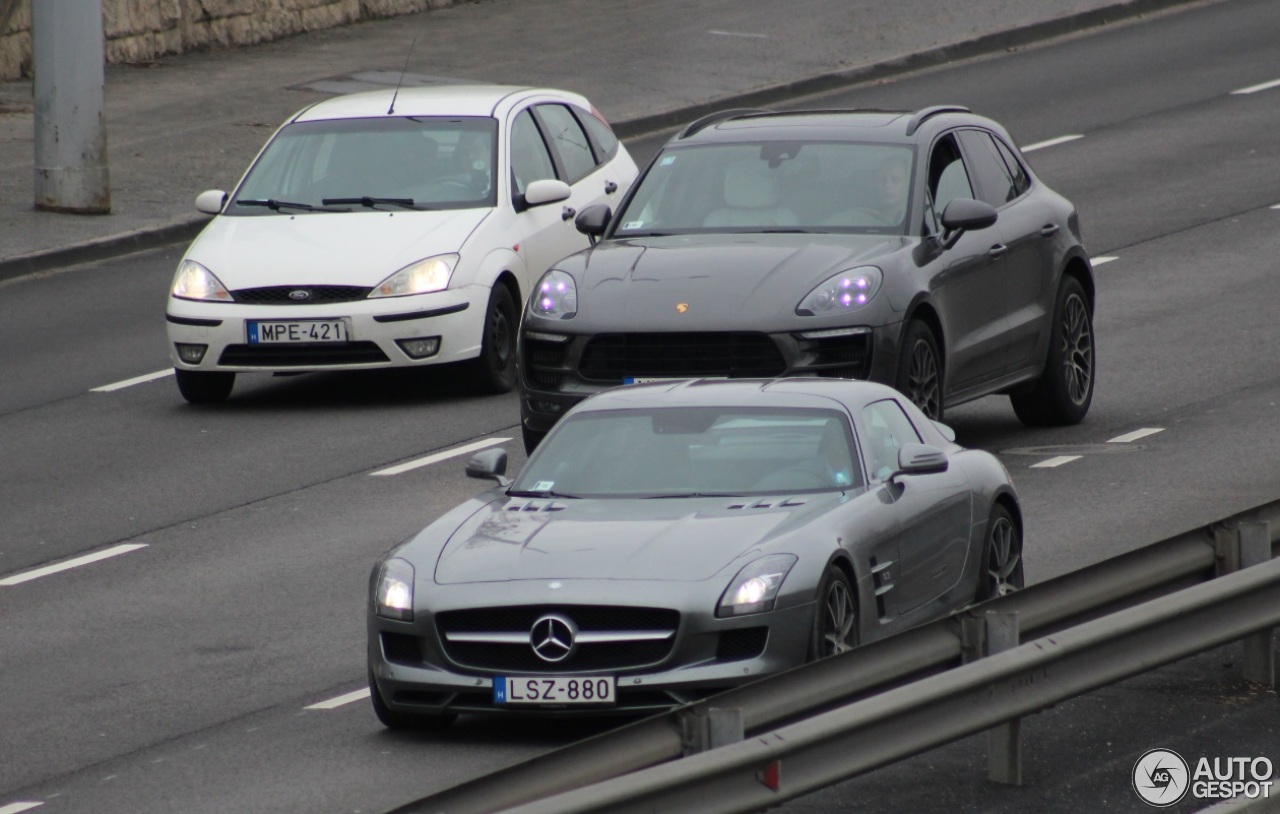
{"type": "Point", "coordinates": [186, 229]}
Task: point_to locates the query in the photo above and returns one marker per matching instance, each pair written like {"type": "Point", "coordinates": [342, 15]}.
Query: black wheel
{"type": "Point", "coordinates": [920, 369]}
{"type": "Point", "coordinates": [1065, 389]}
{"type": "Point", "coordinates": [1002, 559]}
{"type": "Point", "coordinates": [400, 721]}
{"type": "Point", "coordinates": [531, 438]}
{"type": "Point", "coordinates": [835, 619]}
{"type": "Point", "coordinates": [495, 369]}
{"type": "Point", "coordinates": [204, 387]}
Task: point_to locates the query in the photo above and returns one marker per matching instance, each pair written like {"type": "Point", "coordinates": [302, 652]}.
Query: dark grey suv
{"type": "Point", "coordinates": [916, 249]}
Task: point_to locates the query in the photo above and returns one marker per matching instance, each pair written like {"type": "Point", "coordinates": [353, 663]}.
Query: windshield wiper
{"type": "Point", "coordinates": [691, 494]}
{"type": "Point", "coordinates": [514, 493]}
{"type": "Point", "coordinates": [365, 200]}
{"type": "Point", "coordinates": [276, 206]}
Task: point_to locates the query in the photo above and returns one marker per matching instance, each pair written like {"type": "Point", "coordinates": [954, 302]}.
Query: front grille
{"type": "Point", "coordinates": [588, 657]}
{"type": "Point", "coordinates": [611, 357]}
{"type": "Point", "coordinates": [742, 644]}
{"type": "Point", "coordinates": [349, 353]}
{"type": "Point", "coordinates": [316, 294]}
{"type": "Point", "coordinates": [402, 648]}
{"type": "Point", "coordinates": [543, 363]}
{"type": "Point", "coordinates": [842, 357]}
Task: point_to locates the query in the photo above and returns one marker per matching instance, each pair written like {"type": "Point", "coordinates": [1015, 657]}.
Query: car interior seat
{"type": "Point", "coordinates": [751, 198]}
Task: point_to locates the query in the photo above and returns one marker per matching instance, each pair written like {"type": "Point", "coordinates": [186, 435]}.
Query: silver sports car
{"type": "Point", "coordinates": [669, 540]}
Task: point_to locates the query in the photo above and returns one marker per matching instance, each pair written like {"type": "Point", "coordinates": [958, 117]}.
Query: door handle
{"type": "Point", "coordinates": [610, 187]}
{"type": "Point", "coordinates": [1049, 230]}
{"type": "Point", "coordinates": [998, 250]}
{"type": "Point", "coordinates": [567, 213]}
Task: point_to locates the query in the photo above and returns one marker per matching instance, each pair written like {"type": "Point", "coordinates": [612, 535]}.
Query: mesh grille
{"type": "Point", "coordinates": [543, 363]}
{"type": "Point", "coordinates": [611, 357]}
{"type": "Point", "coordinates": [742, 644]}
{"type": "Point", "coordinates": [316, 294]}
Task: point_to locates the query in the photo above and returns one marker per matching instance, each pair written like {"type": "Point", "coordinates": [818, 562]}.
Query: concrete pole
{"type": "Point", "coordinates": [67, 55]}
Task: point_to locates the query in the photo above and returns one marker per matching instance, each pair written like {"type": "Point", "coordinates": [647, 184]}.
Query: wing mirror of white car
{"type": "Point", "coordinates": [965, 215]}
{"type": "Point", "coordinates": [491, 464]}
{"type": "Point", "coordinates": [946, 431]}
{"type": "Point", "coordinates": [548, 190]}
{"type": "Point", "coordinates": [211, 201]}
{"type": "Point", "coordinates": [593, 220]}
{"type": "Point", "coordinates": [920, 459]}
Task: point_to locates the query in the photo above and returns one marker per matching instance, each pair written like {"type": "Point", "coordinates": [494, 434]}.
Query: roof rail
{"type": "Point", "coordinates": [919, 118]}
{"type": "Point", "coordinates": [712, 118]}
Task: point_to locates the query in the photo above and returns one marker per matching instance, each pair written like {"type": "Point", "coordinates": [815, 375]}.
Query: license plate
{"type": "Point", "coordinates": [314, 330]}
{"type": "Point", "coordinates": [554, 690]}
{"type": "Point", "coordinates": [647, 379]}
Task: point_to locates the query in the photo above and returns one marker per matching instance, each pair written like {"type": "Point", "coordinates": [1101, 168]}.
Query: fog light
{"type": "Point", "coordinates": [420, 348]}
{"type": "Point", "coordinates": [539, 406]}
{"type": "Point", "coordinates": [191, 354]}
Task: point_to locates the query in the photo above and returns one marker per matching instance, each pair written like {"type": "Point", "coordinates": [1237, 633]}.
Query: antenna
{"type": "Point", "coordinates": [400, 81]}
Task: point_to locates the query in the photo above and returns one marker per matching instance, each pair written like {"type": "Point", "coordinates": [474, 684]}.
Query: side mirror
{"type": "Point", "coordinates": [920, 459]}
{"type": "Point", "coordinates": [489, 464]}
{"type": "Point", "coordinates": [965, 215]}
{"type": "Point", "coordinates": [211, 201]}
{"type": "Point", "coordinates": [548, 190]}
{"type": "Point", "coordinates": [593, 220]}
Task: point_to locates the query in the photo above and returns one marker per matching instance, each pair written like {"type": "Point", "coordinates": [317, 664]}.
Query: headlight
{"type": "Point", "coordinates": [422, 277]}
{"type": "Point", "coordinates": [394, 599]}
{"type": "Point", "coordinates": [555, 296]}
{"type": "Point", "coordinates": [847, 291]}
{"type": "Point", "coordinates": [195, 282]}
{"type": "Point", "coordinates": [756, 586]}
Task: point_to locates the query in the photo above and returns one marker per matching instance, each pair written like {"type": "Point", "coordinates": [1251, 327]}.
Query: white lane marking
{"type": "Point", "coordinates": [1275, 83]}
{"type": "Point", "coordinates": [1055, 462]}
{"type": "Point", "coordinates": [27, 576]}
{"type": "Point", "coordinates": [14, 808]}
{"type": "Point", "coordinates": [1098, 261]}
{"type": "Point", "coordinates": [342, 700]}
{"type": "Point", "coordinates": [1053, 142]}
{"type": "Point", "coordinates": [1277, 206]}
{"type": "Point", "coordinates": [439, 456]}
{"type": "Point", "coordinates": [739, 34]}
{"type": "Point", "coordinates": [150, 377]}
{"type": "Point", "coordinates": [1135, 435]}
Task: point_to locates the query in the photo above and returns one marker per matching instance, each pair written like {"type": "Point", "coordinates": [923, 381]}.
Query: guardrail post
{"type": "Point", "coordinates": [1004, 742]}
{"type": "Point", "coordinates": [1259, 663]}
{"type": "Point", "coordinates": [707, 728]}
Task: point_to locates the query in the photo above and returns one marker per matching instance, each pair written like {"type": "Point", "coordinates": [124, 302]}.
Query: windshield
{"type": "Point", "coordinates": [380, 163]}
{"type": "Point", "coordinates": [692, 452]}
{"type": "Point", "coordinates": [773, 186]}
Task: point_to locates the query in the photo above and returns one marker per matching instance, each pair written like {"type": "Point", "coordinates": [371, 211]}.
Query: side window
{"type": "Point", "coordinates": [530, 160]}
{"type": "Point", "coordinates": [1021, 180]}
{"type": "Point", "coordinates": [995, 184]}
{"type": "Point", "coordinates": [569, 141]}
{"type": "Point", "coordinates": [602, 138]}
{"type": "Point", "coordinates": [948, 180]}
{"type": "Point", "coordinates": [887, 429]}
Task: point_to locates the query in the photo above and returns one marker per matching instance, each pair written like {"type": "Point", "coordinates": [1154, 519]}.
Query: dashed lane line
{"type": "Point", "coordinates": [27, 576]}
{"type": "Point", "coordinates": [1053, 142]}
{"type": "Point", "coordinates": [340, 701]}
{"type": "Point", "coordinates": [14, 808]}
{"type": "Point", "coordinates": [1053, 463]}
{"type": "Point", "coordinates": [150, 377]}
{"type": "Point", "coordinates": [439, 456]}
{"type": "Point", "coordinates": [1099, 261]}
{"type": "Point", "coordinates": [1275, 83]}
{"type": "Point", "coordinates": [1135, 435]}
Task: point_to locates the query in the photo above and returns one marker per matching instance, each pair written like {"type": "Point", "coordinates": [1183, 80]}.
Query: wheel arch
{"type": "Point", "coordinates": [1078, 269]}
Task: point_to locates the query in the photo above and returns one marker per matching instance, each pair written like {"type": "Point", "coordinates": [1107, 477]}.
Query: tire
{"type": "Point", "coordinates": [531, 439]}
{"type": "Point", "coordinates": [920, 369]}
{"type": "Point", "coordinates": [204, 387]}
{"type": "Point", "coordinates": [495, 369]}
{"type": "Point", "coordinates": [1065, 390]}
{"type": "Point", "coordinates": [399, 721]}
{"type": "Point", "coordinates": [1002, 557]}
{"type": "Point", "coordinates": [835, 617]}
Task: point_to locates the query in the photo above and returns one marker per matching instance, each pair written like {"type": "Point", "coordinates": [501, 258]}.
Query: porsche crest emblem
{"type": "Point", "coordinates": [681, 307]}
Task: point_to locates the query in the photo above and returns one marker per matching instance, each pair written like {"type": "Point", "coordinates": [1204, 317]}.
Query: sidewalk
{"type": "Point", "coordinates": [188, 123]}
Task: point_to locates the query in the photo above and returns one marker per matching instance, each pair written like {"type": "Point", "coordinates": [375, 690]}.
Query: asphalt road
{"type": "Point", "coordinates": [177, 676]}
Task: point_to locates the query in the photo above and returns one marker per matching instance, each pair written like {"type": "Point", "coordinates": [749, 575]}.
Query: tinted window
{"type": "Point", "coordinates": [569, 141]}
{"type": "Point", "coordinates": [1021, 180]}
{"type": "Point", "coordinates": [948, 180]}
{"type": "Point", "coordinates": [530, 160]}
{"type": "Point", "coordinates": [995, 184]}
{"type": "Point", "coordinates": [887, 429]}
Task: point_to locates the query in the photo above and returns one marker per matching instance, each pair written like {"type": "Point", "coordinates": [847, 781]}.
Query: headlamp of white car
{"type": "Point", "coordinates": [193, 281]}
{"type": "Point", "coordinates": [756, 586]}
{"type": "Point", "coordinates": [394, 593]}
{"type": "Point", "coordinates": [422, 277]}
{"type": "Point", "coordinates": [847, 291]}
{"type": "Point", "coordinates": [555, 296]}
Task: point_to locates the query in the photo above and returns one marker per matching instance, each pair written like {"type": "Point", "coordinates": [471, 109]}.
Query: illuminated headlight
{"type": "Point", "coordinates": [756, 586]}
{"type": "Point", "coordinates": [555, 297]}
{"type": "Point", "coordinates": [422, 277]}
{"type": "Point", "coordinates": [195, 282]}
{"type": "Point", "coordinates": [394, 598]}
{"type": "Point", "coordinates": [847, 291]}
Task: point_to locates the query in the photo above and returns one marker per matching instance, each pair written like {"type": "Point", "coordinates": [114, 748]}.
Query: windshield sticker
{"type": "Point", "coordinates": [633, 224]}
{"type": "Point", "coordinates": [667, 160]}
{"type": "Point", "coordinates": [543, 486]}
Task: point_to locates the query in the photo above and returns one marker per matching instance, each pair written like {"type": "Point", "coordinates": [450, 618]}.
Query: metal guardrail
{"type": "Point", "coordinates": [1050, 612]}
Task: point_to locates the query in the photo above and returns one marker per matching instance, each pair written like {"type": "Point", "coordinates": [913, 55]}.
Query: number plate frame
{"type": "Point", "coordinates": [555, 691]}
{"type": "Point", "coordinates": [296, 331]}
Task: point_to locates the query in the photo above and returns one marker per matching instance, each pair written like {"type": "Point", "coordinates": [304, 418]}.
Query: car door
{"type": "Point", "coordinates": [933, 512]}
{"type": "Point", "coordinates": [1022, 228]}
{"type": "Point", "coordinates": [543, 233]}
{"type": "Point", "coordinates": [968, 281]}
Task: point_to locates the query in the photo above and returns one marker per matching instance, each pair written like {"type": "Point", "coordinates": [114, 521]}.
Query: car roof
{"type": "Point", "coordinates": [799, 392]}
{"type": "Point", "coordinates": [809, 125]}
{"type": "Point", "coordinates": [426, 100]}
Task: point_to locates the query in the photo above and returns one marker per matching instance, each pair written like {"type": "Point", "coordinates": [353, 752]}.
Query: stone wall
{"type": "Point", "coordinates": [142, 30]}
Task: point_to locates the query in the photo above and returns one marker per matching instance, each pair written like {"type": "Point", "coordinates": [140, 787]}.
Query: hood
{"type": "Point", "coordinates": [721, 278]}
{"type": "Point", "coordinates": [689, 539]}
{"type": "Point", "coordinates": [346, 248]}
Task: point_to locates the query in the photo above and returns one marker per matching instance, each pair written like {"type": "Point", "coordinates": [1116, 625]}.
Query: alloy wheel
{"type": "Point", "coordinates": [1077, 350]}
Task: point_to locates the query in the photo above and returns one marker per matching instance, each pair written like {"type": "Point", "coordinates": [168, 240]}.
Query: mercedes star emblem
{"type": "Point", "coordinates": [552, 637]}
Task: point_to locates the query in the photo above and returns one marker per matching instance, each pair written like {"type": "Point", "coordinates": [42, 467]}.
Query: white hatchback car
{"type": "Point", "coordinates": [390, 229]}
